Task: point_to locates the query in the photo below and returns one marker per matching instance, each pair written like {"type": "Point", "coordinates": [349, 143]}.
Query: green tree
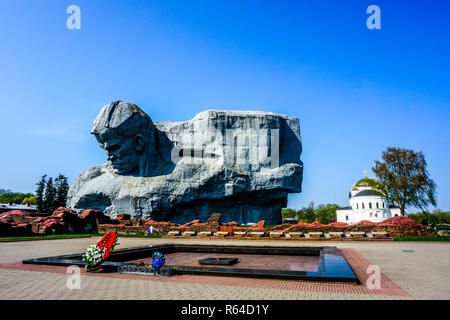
{"type": "Point", "coordinates": [309, 213]}
{"type": "Point", "coordinates": [326, 214]}
{"type": "Point", "coordinates": [300, 215]}
{"type": "Point", "coordinates": [50, 196]}
{"type": "Point", "coordinates": [404, 179]}
{"type": "Point", "coordinates": [40, 193]}
{"type": "Point", "coordinates": [62, 187]}
{"type": "Point", "coordinates": [30, 200]}
{"type": "Point", "coordinates": [288, 213]}
{"type": "Point", "coordinates": [14, 197]}
{"type": "Point", "coordinates": [426, 218]}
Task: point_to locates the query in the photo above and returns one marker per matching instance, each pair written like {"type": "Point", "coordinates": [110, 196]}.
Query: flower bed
{"type": "Point", "coordinates": [395, 227]}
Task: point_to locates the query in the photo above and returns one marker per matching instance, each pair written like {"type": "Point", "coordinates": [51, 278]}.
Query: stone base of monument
{"type": "Point", "coordinates": [221, 234]}
{"type": "Point", "coordinates": [336, 235]}
{"type": "Point", "coordinates": [357, 235]}
{"type": "Point", "coordinates": [380, 235]}
{"type": "Point", "coordinates": [274, 234]}
{"type": "Point", "coordinates": [239, 234]}
{"type": "Point", "coordinates": [257, 234]}
{"type": "Point", "coordinates": [315, 235]}
{"type": "Point", "coordinates": [295, 235]}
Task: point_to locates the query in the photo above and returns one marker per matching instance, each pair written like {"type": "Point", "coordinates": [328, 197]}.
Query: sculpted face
{"type": "Point", "coordinates": [127, 135]}
{"type": "Point", "coordinates": [124, 153]}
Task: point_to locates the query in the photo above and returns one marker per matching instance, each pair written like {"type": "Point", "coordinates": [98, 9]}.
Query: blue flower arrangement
{"type": "Point", "coordinates": [158, 260]}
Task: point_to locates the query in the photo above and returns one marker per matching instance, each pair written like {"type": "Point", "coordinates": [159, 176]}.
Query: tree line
{"type": "Point", "coordinates": [51, 193]}
{"type": "Point", "coordinates": [429, 219]}
{"type": "Point", "coordinates": [325, 214]}
{"type": "Point", "coordinates": [18, 198]}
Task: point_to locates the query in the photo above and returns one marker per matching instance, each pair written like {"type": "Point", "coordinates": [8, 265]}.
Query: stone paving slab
{"type": "Point", "coordinates": [359, 265]}
{"type": "Point", "coordinates": [423, 274]}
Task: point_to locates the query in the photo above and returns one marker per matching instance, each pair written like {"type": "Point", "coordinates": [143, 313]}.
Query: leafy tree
{"type": "Point", "coordinates": [50, 196]}
{"type": "Point", "coordinates": [14, 197]}
{"type": "Point", "coordinates": [404, 179]}
{"type": "Point", "coordinates": [288, 213]}
{"type": "Point", "coordinates": [30, 200]}
{"type": "Point", "coordinates": [309, 213]}
{"type": "Point", "coordinates": [62, 187]}
{"type": "Point", "coordinates": [301, 215]}
{"type": "Point", "coordinates": [426, 218]}
{"type": "Point", "coordinates": [40, 193]}
{"type": "Point", "coordinates": [326, 214]}
{"type": "Point", "coordinates": [306, 214]}
{"type": "Point", "coordinates": [444, 217]}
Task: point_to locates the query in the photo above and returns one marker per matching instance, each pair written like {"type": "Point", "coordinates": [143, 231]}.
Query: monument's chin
{"type": "Point", "coordinates": [244, 186]}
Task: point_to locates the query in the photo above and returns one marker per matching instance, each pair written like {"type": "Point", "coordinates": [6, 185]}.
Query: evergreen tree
{"type": "Point", "coordinates": [62, 187]}
{"type": "Point", "coordinates": [309, 213]}
{"type": "Point", "coordinates": [50, 195]}
{"type": "Point", "coordinates": [40, 193]}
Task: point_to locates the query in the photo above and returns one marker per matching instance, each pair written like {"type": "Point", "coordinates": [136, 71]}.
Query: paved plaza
{"type": "Point", "coordinates": [421, 274]}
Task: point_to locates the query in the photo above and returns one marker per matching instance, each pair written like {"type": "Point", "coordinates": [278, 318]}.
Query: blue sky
{"type": "Point", "coordinates": [356, 91]}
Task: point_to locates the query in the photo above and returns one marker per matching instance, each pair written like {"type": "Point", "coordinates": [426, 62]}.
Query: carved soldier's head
{"type": "Point", "coordinates": [126, 133]}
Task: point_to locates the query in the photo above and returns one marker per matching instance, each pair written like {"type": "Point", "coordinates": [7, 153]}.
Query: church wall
{"type": "Point", "coordinates": [357, 213]}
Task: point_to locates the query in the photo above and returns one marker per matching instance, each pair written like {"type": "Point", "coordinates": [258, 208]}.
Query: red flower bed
{"type": "Point", "coordinates": [400, 220]}
{"type": "Point", "coordinates": [365, 223]}
{"type": "Point", "coordinates": [397, 226]}
{"type": "Point", "coordinates": [338, 225]}
{"type": "Point", "coordinates": [258, 226]}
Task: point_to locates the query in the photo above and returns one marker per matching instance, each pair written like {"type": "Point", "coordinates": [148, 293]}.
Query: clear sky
{"type": "Point", "coordinates": [356, 91]}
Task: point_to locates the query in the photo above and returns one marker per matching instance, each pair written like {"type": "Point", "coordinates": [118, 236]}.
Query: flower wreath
{"type": "Point", "coordinates": [96, 254]}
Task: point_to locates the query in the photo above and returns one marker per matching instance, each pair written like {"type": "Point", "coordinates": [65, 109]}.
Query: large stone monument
{"type": "Point", "coordinates": [241, 164]}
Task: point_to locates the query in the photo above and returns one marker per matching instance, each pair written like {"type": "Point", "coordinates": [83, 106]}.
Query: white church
{"type": "Point", "coordinates": [366, 203]}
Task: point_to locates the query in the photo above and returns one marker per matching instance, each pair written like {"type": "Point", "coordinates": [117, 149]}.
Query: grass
{"type": "Point", "coordinates": [50, 237]}
{"type": "Point", "coordinates": [425, 238]}
{"type": "Point", "coordinates": [265, 226]}
{"type": "Point", "coordinates": [73, 236]}
{"type": "Point", "coordinates": [152, 236]}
